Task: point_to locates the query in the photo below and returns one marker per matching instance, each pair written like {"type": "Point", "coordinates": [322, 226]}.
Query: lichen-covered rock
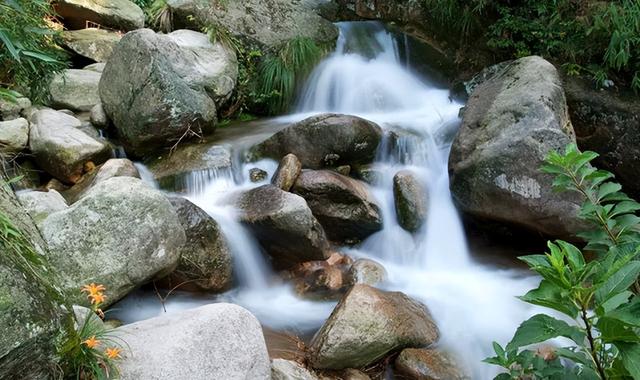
{"type": "Point", "coordinates": [75, 89]}
{"type": "Point", "coordinates": [98, 117]}
{"type": "Point", "coordinates": [157, 89]}
{"type": "Point", "coordinates": [120, 234]}
{"type": "Point", "coordinates": [282, 369]}
{"type": "Point", "coordinates": [324, 140]}
{"type": "Point", "coordinates": [114, 167]}
{"type": "Point", "coordinates": [40, 204]}
{"type": "Point", "coordinates": [116, 14]}
{"type": "Point", "coordinates": [62, 149]}
{"type": "Point", "coordinates": [283, 224]}
{"type": "Point", "coordinates": [344, 206]}
{"type": "Point", "coordinates": [321, 280]}
{"type": "Point", "coordinates": [30, 317]}
{"type": "Point", "coordinates": [511, 122]}
{"type": "Point", "coordinates": [12, 110]}
{"type": "Point", "coordinates": [14, 135]}
{"type": "Point", "coordinates": [411, 201]}
{"type": "Point", "coordinates": [206, 259]}
{"type": "Point", "coordinates": [218, 341]}
{"type": "Point", "coordinates": [257, 175]}
{"type": "Point", "coordinates": [288, 171]}
{"type": "Point", "coordinates": [93, 43]}
{"type": "Point", "coordinates": [268, 23]}
{"type": "Point", "coordinates": [366, 325]}
{"type": "Point", "coordinates": [427, 364]}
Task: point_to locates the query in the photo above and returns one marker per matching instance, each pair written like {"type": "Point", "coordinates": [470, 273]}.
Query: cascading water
{"type": "Point", "coordinates": [473, 304]}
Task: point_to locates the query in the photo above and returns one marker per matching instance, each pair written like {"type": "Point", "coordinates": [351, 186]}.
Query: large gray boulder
{"type": "Point", "coordinates": [74, 89]}
{"type": "Point", "coordinates": [30, 321]}
{"type": "Point", "coordinates": [120, 234]}
{"type": "Point", "coordinates": [324, 140]}
{"type": "Point", "coordinates": [283, 224]}
{"type": "Point", "coordinates": [93, 43]}
{"type": "Point", "coordinates": [218, 341]}
{"type": "Point", "coordinates": [114, 167]}
{"type": "Point", "coordinates": [62, 149]}
{"type": "Point", "coordinates": [40, 204]}
{"type": "Point", "coordinates": [14, 135]}
{"type": "Point", "coordinates": [511, 122]}
{"type": "Point", "coordinates": [206, 258]}
{"type": "Point", "coordinates": [158, 89]}
{"type": "Point", "coordinates": [282, 369]}
{"type": "Point", "coordinates": [366, 325]}
{"type": "Point", "coordinates": [115, 14]}
{"type": "Point", "coordinates": [344, 206]}
{"type": "Point", "coordinates": [268, 23]}
{"type": "Point", "coordinates": [10, 110]}
{"type": "Point", "coordinates": [410, 198]}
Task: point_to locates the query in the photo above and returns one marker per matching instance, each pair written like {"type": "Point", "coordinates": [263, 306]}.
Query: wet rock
{"type": "Point", "coordinates": [410, 200]}
{"type": "Point", "coordinates": [366, 325]}
{"type": "Point", "coordinates": [114, 167]}
{"type": "Point", "coordinates": [98, 117]}
{"type": "Point", "coordinates": [206, 259]}
{"type": "Point", "coordinates": [40, 204]}
{"type": "Point", "coordinates": [288, 171]}
{"type": "Point", "coordinates": [368, 174]}
{"type": "Point", "coordinates": [348, 139]}
{"type": "Point", "coordinates": [56, 185]}
{"type": "Point", "coordinates": [257, 175]}
{"type": "Point", "coordinates": [116, 14]}
{"type": "Point", "coordinates": [354, 374]}
{"type": "Point", "coordinates": [75, 89]}
{"type": "Point", "coordinates": [609, 124]}
{"type": "Point", "coordinates": [510, 123]}
{"type": "Point", "coordinates": [179, 80]}
{"type": "Point", "coordinates": [14, 135]}
{"type": "Point", "coordinates": [321, 280]}
{"type": "Point", "coordinates": [31, 317]}
{"type": "Point", "coordinates": [283, 224]}
{"type": "Point", "coordinates": [102, 238]}
{"type": "Point", "coordinates": [368, 272]}
{"type": "Point", "coordinates": [344, 169]}
{"type": "Point", "coordinates": [427, 364]}
{"type": "Point", "coordinates": [60, 148]}
{"type": "Point", "coordinates": [12, 110]}
{"type": "Point", "coordinates": [93, 43]}
{"type": "Point", "coordinates": [218, 341]}
{"type": "Point", "coordinates": [200, 160]}
{"type": "Point", "coordinates": [344, 206]}
{"type": "Point", "coordinates": [282, 369]}
{"type": "Point", "coordinates": [269, 23]}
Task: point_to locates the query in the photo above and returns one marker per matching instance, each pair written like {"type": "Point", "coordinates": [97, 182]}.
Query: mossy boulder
{"type": "Point", "coordinates": [116, 14]}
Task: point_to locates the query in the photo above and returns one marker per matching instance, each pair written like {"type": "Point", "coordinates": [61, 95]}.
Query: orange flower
{"type": "Point", "coordinates": [97, 298]}
{"type": "Point", "coordinates": [113, 353]}
{"type": "Point", "coordinates": [92, 342]}
{"type": "Point", "coordinates": [93, 289]}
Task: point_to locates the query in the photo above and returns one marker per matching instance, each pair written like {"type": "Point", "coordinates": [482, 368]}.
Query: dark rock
{"type": "Point", "coordinates": [427, 364]}
{"type": "Point", "coordinates": [288, 171]}
{"type": "Point", "coordinates": [257, 175]}
{"type": "Point", "coordinates": [410, 200]}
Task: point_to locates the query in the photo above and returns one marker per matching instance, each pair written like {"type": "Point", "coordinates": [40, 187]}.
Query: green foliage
{"type": "Point", "coordinates": [160, 16]}
{"type": "Point", "coordinates": [280, 74]}
{"type": "Point", "coordinates": [596, 295]}
{"type": "Point", "coordinates": [599, 38]}
{"type": "Point", "coordinates": [29, 55]}
{"type": "Point", "coordinates": [141, 3]}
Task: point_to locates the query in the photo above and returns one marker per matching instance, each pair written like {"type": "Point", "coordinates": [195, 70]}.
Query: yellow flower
{"type": "Point", "coordinates": [113, 352]}
{"type": "Point", "coordinates": [92, 342]}
{"type": "Point", "coordinates": [97, 298]}
{"type": "Point", "coordinates": [93, 289]}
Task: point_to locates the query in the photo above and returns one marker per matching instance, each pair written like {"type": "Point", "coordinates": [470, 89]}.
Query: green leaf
{"type": "Point", "coordinates": [574, 256]}
{"type": "Point", "coordinates": [575, 356]}
{"type": "Point", "coordinates": [613, 303]}
{"type": "Point", "coordinates": [536, 260]}
{"type": "Point", "coordinates": [620, 281]}
{"type": "Point", "coordinates": [9, 45]}
{"type": "Point", "coordinates": [550, 295]}
{"type": "Point", "coordinates": [40, 56]}
{"type": "Point", "coordinates": [628, 314]}
{"type": "Point", "coordinates": [608, 188]}
{"type": "Point", "coordinates": [540, 328]}
{"type": "Point", "coordinates": [625, 208]}
{"type": "Point", "coordinates": [612, 330]}
{"type": "Point", "coordinates": [630, 354]}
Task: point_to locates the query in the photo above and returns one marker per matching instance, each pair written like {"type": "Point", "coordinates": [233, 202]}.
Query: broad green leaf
{"type": "Point", "coordinates": [612, 331]}
{"type": "Point", "coordinates": [620, 281]}
{"type": "Point", "coordinates": [535, 260]}
{"type": "Point", "coordinates": [628, 314]}
{"type": "Point", "coordinates": [613, 303]}
{"type": "Point", "coordinates": [40, 56]}
{"type": "Point", "coordinates": [540, 328]}
{"type": "Point", "coordinates": [574, 256]}
{"type": "Point", "coordinates": [577, 357]}
{"type": "Point", "coordinates": [608, 188]}
{"type": "Point", "coordinates": [9, 45]}
{"type": "Point", "coordinates": [630, 354]}
{"type": "Point", "coordinates": [625, 207]}
{"type": "Point", "coordinates": [550, 295]}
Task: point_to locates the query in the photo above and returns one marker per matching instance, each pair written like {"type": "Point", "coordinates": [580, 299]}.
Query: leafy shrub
{"type": "Point", "coordinates": [160, 16]}
{"type": "Point", "coordinates": [597, 295]}
{"type": "Point", "coordinates": [29, 55]}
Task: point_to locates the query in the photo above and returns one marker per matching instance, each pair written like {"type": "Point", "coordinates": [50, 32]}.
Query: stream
{"type": "Point", "coordinates": [368, 75]}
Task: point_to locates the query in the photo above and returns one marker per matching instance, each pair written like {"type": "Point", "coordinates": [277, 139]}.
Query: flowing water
{"type": "Point", "coordinates": [473, 304]}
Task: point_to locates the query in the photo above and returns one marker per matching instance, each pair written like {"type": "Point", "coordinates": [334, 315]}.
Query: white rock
{"type": "Point", "coordinates": [14, 134]}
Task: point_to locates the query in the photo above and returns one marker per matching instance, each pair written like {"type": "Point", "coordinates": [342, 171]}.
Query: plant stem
{"type": "Point", "coordinates": [603, 222]}
{"type": "Point", "coordinates": [592, 344]}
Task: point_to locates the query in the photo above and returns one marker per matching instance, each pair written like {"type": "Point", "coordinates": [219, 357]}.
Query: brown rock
{"type": "Point", "coordinates": [288, 171]}
{"type": "Point", "coordinates": [426, 364]}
